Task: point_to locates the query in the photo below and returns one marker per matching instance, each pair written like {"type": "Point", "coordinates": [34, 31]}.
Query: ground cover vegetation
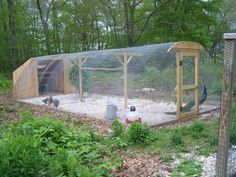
{"type": "Point", "coordinates": [67, 149]}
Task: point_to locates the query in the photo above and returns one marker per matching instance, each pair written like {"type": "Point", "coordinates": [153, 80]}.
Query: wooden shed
{"type": "Point", "coordinates": [38, 77]}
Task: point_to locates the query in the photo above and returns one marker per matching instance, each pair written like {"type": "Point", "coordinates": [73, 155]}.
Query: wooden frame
{"type": "Point", "coordinates": [123, 57]}
{"type": "Point", "coordinates": [186, 49]}
{"type": "Point", "coordinates": [22, 76]}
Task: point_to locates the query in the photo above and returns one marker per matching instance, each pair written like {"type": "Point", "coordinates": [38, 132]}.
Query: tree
{"type": "Point", "coordinates": [12, 26]}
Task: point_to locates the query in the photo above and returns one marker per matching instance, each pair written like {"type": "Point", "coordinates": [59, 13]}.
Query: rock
{"type": "Point", "coordinates": [148, 90]}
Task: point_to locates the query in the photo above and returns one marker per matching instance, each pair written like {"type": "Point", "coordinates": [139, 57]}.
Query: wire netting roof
{"type": "Point", "coordinates": [146, 52]}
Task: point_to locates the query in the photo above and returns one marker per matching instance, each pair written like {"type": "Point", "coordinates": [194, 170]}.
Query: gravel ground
{"type": "Point", "coordinates": [232, 162]}
{"type": "Point", "coordinates": [152, 112]}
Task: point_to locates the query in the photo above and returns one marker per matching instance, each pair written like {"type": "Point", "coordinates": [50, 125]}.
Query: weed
{"type": "Point", "coordinates": [119, 142]}
{"type": "Point", "coordinates": [118, 129]}
{"type": "Point", "coordinates": [167, 158]}
{"type": "Point", "coordinates": [177, 138]}
{"type": "Point", "coordinates": [188, 167]}
{"type": "Point", "coordinates": [197, 129]}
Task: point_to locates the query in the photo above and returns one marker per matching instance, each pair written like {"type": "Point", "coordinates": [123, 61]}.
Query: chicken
{"type": "Point", "coordinates": [50, 101]}
{"type": "Point", "coordinates": [56, 102]}
{"type": "Point", "coordinates": [45, 100]}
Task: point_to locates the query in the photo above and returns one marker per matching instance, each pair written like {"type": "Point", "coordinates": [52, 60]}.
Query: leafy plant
{"type": "Point", "coordinates": [119, 142]}
{"type": "Point", "coordinates": [118, 129]}
{"type": "Point", "coordinates": [138, 132]}
{"type": "Point", "coordinates": [21, 156]}
{"type": "Point", "coordinates": [74, 77]}
{"type": "Point", "coordinates": [48, 147]}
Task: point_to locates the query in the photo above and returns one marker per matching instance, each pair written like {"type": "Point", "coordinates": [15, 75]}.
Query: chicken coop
{"type": "Point", "coordinates": [164, 81]}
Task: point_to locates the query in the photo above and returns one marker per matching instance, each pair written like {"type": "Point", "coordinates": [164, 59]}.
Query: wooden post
{"type": "Point", "coordinates": [196, 108]}
{"type": "Point", "coordinates": [80, 80]}
{"type": "Point", "coordinates": [178, 84]}
{"type": "Point", "coordinates": [226, 104]}
{"type": "Point", "coordinates": [125, 80]}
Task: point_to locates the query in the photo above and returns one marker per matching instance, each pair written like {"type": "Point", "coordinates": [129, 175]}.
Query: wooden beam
{"type": "Point", "coordinates": [188, 114]}
{"type": "Point", "coordinates": [128, 53]}
{"type": "Point", "coordinates": [178, 85]}
{"type": "Point", "coordinates": [84, 60]}
{"type": "Point", "coordinates": [187, 46]}
{"type": "Point", "coordinates": [118, 57]}
{"type": "Point", "coordinates": [189, 53]}
{"type": "Point", "coordinates": [80, 80]}
{"type": "Point", "coordinates": [189, 87]}
{"type": "Point", "coordinates": [129, 59]}
{"type": "Point", "coordinates": [196, 108]}
{"type": "Point", "coordinates": [125, 80]}
{"type": "Point", "coordinates": [41, 66]}
{"type": "Point", "coordinates": [102, 69]}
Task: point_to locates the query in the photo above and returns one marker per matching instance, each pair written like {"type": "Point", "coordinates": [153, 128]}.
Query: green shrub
{"type": "Point", "coordinates": [138, 132]}
{"type": "Point", "coordinates": [5, 83]}
{"type": "Point", "coordinates": [74, 77]}
{"type": "Point", "coordinates": [177, 138]}
{"type": "Point", "coordinates": [49, 147]}
{"type": "Point", "coordinates": [21, 156]}
{"type": "Point", "coordinates": [118, 129]}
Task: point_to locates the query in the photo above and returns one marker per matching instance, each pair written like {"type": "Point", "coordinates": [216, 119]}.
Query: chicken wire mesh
{"type": "Point", "coordinates": [151, 81]}
{"type": "Point", "coordinates": [226, 156]}
{"type": "Point", "coordinates": [231, 165]}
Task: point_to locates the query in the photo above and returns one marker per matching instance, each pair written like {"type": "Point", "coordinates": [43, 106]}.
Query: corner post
{"type": "Point", "coordinates": [80, 80]}
{"type": "Point", "coordinates": [178, 84]}
{"type": "Point", "coordinates": [125, 80]}
{"type": "Point", "coordinates": [226, 104]}
{"type": "Point", "coordinates": [196, 108]}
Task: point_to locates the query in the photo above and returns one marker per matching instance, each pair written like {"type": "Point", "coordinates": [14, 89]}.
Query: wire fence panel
{"type": "Point", "coordinates": [226, 157]}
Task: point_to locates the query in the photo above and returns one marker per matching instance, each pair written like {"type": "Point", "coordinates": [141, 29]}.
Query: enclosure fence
{"type": "Point", "coordinates": [226, 156]}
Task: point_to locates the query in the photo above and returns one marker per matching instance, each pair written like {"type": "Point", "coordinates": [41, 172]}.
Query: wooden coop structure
{"type": "Point", "coordinates": [26, 77]}
{"type": "Point", "coordinates": [28, 80]}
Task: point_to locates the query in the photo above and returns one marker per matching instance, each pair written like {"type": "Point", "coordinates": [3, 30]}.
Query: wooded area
{"type": "Point", "coordinates": [40, 27]}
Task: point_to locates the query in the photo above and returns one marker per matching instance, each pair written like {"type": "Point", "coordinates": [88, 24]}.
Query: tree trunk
{"type": "Point", "coordinates": [45, 27]}
{"type": "Point", "coordinates": [12, 27]}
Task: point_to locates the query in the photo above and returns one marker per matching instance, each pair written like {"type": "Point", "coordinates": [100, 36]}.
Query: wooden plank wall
{"type": "Point", "coordinates": [25, 80]}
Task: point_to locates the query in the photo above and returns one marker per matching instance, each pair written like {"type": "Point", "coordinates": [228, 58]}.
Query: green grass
{"type": "Point", "coordinates": [188, 168]}
{"type": "Point", "coordinates": [199, 138]}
